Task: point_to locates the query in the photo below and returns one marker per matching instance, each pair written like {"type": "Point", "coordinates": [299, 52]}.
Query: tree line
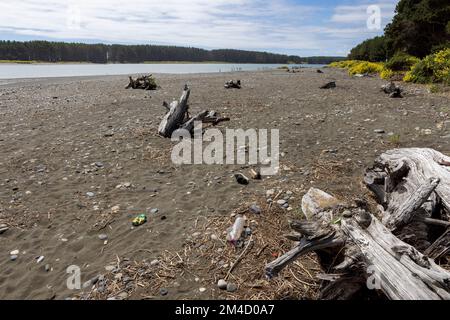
{"type": "Point", "coordinates": [46, 51]}
{"type": "Point", "coordinates": [418, 28]}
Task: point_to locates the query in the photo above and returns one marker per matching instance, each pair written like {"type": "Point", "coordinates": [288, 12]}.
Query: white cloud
{"type": "Point", "coordinates": [277, 25]}
{"type": "Point", "coordinates": [358, 13]}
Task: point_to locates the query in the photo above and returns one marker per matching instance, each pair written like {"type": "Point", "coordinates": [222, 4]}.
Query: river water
{"type": "Point", "coordinates": [23, 71]}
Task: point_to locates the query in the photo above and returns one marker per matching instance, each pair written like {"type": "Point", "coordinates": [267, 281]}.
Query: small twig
{"type": "Point", "coordinates": [239, 258]}
{"type": "Point", "coordinates": [262, 250]}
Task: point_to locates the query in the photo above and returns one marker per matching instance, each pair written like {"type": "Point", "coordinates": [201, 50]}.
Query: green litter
{"type": "Point", "coordinates": [139, 220]}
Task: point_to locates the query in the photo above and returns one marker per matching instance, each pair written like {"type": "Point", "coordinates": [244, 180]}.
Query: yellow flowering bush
{"type": "Point", "coordinates": [359, 67]}
{"type": "Point", "coordinates": [386, 73]}
{"type": "Point", "coordinates": [434, 68]}
{"type": "Point", "coordinates": [366, 67]}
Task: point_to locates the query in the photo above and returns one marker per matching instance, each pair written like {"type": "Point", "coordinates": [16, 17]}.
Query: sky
{"type": "Point", "coordinates": [298, 27]}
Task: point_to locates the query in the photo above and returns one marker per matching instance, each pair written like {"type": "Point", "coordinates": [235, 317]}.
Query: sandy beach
{"type": "Point", "coordinates": [80, 158]}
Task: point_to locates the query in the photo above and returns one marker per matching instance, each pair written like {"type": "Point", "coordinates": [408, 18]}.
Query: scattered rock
{"type": "Point", "coordinates": [3, 228]}
{"type": "Point", "coordinates": [281, 202]}
{"type": "Point", "coordinates": [154, 211]}
{"type": "Point", "coordinates": [14, 252]}
{"type": "Point", "coordinates": [255, 209]}
{"type": "Point", "coordinates": [202, 290]}
{"type": "Point", "coordinates": [110, 268]}
{"type": "Point", "coordinates": [379, 131]}
{"type": "Point", "coordinates": [115, 209]}
{"type": "Point", "coordinates": [231, 287]}
{"type": "Point", "coordinates": [47, 268]}
{"type": "Point", "coordinates": [103, 237]}
{"type": "Point", "coordinates": [222, 284]}
{"type": "Point", "coordinates": [163, 292]}
{"type": "Point", "coordinates": [270, 193]}
{"type": "Point", "coordinates": [40, 259]}
{"type": "Point", "coordinates": [123, 295]}
{"type": "Point", "coordinates": [154, 263]}
{"type": "Point", "coordinates": [241, 179]}
{"type": "Point", "coordinates": [14, 257]}
{"type": "Point", "coordinates": [90, 194]}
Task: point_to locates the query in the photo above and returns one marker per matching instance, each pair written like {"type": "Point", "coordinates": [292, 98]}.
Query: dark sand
{"type": "Point", "coordinates": [52, 132]}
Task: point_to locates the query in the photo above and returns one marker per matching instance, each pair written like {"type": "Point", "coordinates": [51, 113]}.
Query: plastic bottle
{"type": "Point", "coordinates": [236, 231]}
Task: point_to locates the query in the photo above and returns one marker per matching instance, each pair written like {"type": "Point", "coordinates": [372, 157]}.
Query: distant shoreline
{"type": "Point", "coordinates": [146, 62]}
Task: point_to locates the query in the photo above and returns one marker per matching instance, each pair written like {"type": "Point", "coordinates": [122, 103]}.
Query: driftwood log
{"type": "Point", "coordinates": [393, 256]}
{"type": "Point", "coordinates": [233, 85]}
{"type": "Point", "coordinates": [178, 116]}
{"type": "Point", "coordinates": [144, 82]}
{"type": "Point", "coordinates": [329, 85]}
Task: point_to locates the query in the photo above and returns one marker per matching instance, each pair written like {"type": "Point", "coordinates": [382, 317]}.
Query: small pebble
{"type": "Point", "coordinates": [90, 194]}
{"type": "Point", "coordinates": [154, 211]}
{"type": "Point", "coordinates": [103, 237]}
{"type": "Point", "coordinates": [282, 202]}
{"type": "Point", "coordinates": [255, 209]}
{"type": "Point", "coordinates": [110, 268]}
{"type": "Point", "coordinates": [202, 290]}
{"type": "Point", "coordinates": [14, 257]}
{"type": "Point", "coordinates": [154, 263]}
{"type": "Point", "coordinates": [222, 284]}
{"type": "Point", "coordinates": [40, 259]}
{"type": "Point", "coordinates": [14, 252]}
{"type": "Point", "coordinates": [123, 295]}
{"type": "Point", "coordinates": [164, 292]}
{"type": "Point", "coordinates": [231, 287]}
{"type": "Point", "coordinates": [115, 209]}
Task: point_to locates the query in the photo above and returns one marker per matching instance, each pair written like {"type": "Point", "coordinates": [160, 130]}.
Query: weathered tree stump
{"type": "Point", "coordinates": [178, 116]}
{"type": "Point", "coordinates": [233, 85]}
{"type": "Point", "coordinates": [144, 82]}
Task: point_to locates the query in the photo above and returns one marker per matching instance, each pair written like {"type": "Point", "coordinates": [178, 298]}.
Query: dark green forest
{"type": "Point", "coordinates": [419, 28]}
{"type": "Point", "coordinates": [101, 53]}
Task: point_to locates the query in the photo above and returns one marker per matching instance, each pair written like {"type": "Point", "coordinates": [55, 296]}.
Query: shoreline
{"type": "Point", "coordinates": [145, 62]}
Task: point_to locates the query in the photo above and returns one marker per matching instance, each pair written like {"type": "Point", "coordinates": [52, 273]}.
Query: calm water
{"type": "Point", "coordinates": [19, 71]}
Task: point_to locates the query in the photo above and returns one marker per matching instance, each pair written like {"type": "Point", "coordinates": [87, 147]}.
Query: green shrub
{"type": "Point", "coordinates": [401, 62]}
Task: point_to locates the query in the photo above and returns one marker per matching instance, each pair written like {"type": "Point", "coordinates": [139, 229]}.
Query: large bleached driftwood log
{"type": "Point", "coordinates": [178, 116]}
{"type": "Point", "coordinates": [395, 255]}
{"type": "Point", "coordinates": [413, 185]}
{"type": "Point", "coordinates": [366, 254]}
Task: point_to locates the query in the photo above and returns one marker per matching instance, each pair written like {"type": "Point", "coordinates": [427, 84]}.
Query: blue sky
{"type": "Point", "coordinates": [300, 27]}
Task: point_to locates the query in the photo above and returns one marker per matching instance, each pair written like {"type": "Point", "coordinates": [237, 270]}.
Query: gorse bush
{"type": "Point", "coordinates": [386, 73]}
{"type": "Point", "coordinates": [360, 67]}
{"type": "Point", "coordinates": [364, 67]}
{"type": "Point", "coordinates": [434, 68]}
{"type": "Point", "coordinates": [346, 64]}
{"type": "Point", "coordinates": [401, 62]}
